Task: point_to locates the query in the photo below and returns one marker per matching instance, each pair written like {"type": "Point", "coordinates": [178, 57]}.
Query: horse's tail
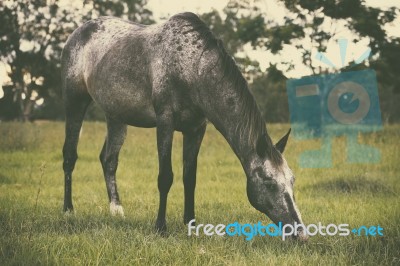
{"type": "Point", "coordinates": [73, 59]}
{"type": "Point", "coordinates": [74, 90]}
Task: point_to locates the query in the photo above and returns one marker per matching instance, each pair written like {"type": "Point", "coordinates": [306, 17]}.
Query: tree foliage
{"type": "Point", "coordinates": [133, 10]}
{"type": "Point", "coordinates": [32, 34]}
{"type": "Point", "coordinates": [312, 17]}
{"type": "Point", "coordinates": [313, 21]}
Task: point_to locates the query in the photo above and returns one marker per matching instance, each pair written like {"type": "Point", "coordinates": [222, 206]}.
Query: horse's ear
{"type": "Point", "coordinates": [262, 146]}
{"type": "Point", "coordinates": [280, 146]}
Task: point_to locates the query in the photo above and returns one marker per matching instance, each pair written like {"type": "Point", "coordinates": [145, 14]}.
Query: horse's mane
{"type": "Point", "coordinates": [254, 123]}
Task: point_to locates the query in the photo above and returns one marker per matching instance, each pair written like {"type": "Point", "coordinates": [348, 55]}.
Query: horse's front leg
{"type": "Point", "coordinates": [191, 146]}
{"type": "Point", "coordinates": [165, 132]}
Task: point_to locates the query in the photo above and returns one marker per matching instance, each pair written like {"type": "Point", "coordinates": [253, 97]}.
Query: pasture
{"type": "Point", "coordinates": [34, 231]}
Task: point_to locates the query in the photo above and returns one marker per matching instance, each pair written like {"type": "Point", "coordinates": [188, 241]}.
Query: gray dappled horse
{"type": "Point", "coordinates": [172, 76]}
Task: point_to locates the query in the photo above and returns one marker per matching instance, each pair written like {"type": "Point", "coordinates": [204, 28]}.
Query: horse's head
{"type": "Point", "coordinates": [270, 183]}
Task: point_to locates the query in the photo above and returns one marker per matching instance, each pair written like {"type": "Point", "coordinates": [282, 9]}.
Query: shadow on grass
{"type": "Point", "coordinates": [78, 224]}
{"type": "Point", "coordinates": [19, 252]}
{"type": "Point", "coordinates": [5, 179]}
{"type": "Point", "coordinates": [357, 184]}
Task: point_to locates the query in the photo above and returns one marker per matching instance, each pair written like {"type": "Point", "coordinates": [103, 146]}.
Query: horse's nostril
{"type": "Point", "coordinates": [288, 199]}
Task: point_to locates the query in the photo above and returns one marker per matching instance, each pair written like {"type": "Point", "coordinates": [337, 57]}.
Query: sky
{"type": "Point", "coordinates": [163, 9]}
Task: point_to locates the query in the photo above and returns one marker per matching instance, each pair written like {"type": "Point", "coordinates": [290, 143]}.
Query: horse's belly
{"type": "Point", "coordinates": [130, 105]}
{"type": "Point", "coordinates": [143, 118]}
{"type": "Point", "coordinates": [138, 115]}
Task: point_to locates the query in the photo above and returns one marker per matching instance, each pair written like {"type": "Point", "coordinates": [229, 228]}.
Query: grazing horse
{"type": "Point", "coordinates": [172, 76]}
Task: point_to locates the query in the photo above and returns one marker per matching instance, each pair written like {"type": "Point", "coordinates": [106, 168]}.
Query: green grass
{"type": "Point", "coordinates": [33, 229]}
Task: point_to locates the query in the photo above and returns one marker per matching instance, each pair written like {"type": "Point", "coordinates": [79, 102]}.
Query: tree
{"type": "Point", "coordinates": [31, 34]}
{"type": "Point", "coordinates": [307, 26]}
{"type": "Point", "coordinates": [133, 10]}
{"type": "Point", "coordinates": [310, 19]}
{"type": "Point", "coordinates": [313, 19]}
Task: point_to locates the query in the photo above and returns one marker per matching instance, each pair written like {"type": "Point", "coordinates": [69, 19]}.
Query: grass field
{"type": "Point", "coordinates": [34, 231]}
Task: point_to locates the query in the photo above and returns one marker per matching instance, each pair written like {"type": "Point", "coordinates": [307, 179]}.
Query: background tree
{"type": "Point", "coordinates": [307, 25]}
{"type": "Point", "coordinates": [31, 34]}
{"type": "Point", "coordinates": [310, 21]}
{"type": "Point", "coordinates": [133, 10]}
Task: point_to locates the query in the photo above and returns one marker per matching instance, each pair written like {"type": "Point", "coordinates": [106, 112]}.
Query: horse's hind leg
{"type": "Point", "coordinates": [75, 108]}
{"type": "Point", "coordinates": [191, 146]}
{"type": "Point", "coordinates": [116, 133]}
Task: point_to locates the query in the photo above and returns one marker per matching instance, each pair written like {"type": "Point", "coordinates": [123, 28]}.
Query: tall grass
{"type": "Point", "coordinates": [34, 231]}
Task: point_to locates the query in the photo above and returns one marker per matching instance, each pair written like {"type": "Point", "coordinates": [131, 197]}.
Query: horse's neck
{"type": "Point", "coordinates": [226, 113]}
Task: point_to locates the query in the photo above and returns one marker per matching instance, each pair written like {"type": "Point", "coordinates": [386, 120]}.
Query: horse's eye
{"type": "Point", "coordinates": [260, 173]}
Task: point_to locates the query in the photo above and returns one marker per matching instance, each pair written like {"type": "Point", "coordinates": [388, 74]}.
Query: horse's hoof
{"type": "Point", "coordinates": [68, 210]}
{"type": "Point", "coordinates": [69, 213]}
{"type": "Point", "coordinates": [161, 227]}
{"type": "Point", "coordinates": [116, 210]}
{"type": "Point", "coordinates": [302, 237]}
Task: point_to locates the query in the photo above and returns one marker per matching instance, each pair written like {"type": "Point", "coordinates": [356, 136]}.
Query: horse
{"type": "Point", "coordinates": [175, 76]}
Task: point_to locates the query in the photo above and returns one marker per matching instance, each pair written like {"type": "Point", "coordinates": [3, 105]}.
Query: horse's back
{"type": "Point", "coordinates": [105, 59]}
{"type": "Point", "coordinates": [89, 43]}
{"type": "Point", "coordinates": [130, 69]}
